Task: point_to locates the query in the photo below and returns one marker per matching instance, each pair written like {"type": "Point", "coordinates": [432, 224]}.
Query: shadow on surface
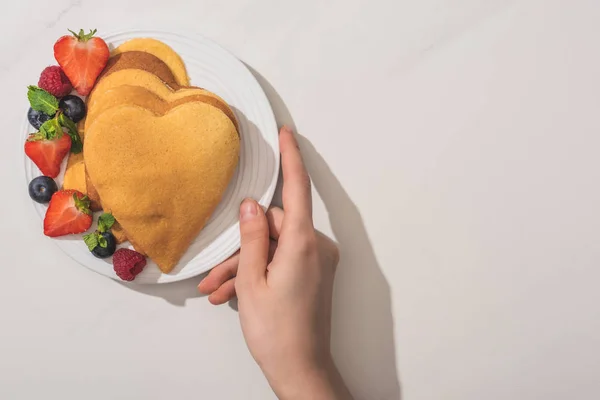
{"type": "Point", "coordinates": [363, 326]}
{"type": "Point", "coordinates": [175, 293]}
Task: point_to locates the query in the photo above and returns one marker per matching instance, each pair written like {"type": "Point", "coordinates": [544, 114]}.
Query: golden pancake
{"type": "Point", "coordinates": [161, 51]}
{"type": "Point", "coordinates": [96, 203]}
{"type": "Point", "coordinates": [144, 98]}
{"type": "Point", "coordinates": [75, 170]}
{"type": "Point", "coordinates": [118, 232]}
{"type": "Point", "coordinates": [162, 176]}
{"type": "Point", "coordinates": [121, 236]}
{"type": "Point", "coordinates": [75, 177]}
{"type": "Point", "coordinates": [142, 61]}
{"type": "Point", "coordinates": [131, 60]}
{"type": "Point", "coordinates": [139, 96]}
{"type": "Point", "coordinates": [149, 81]}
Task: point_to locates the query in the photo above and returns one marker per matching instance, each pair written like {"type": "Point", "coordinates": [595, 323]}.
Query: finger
{"type": "Point", "coordinates": [254, 253]}
{"type": "Point", "coordinates": [219, 275]}
{"type": "Point", "coordinates": [272, 249]}
{"type": "Point", "coordinates": [224, 293]}
{"type": "Point", "coordinates": [275, 219]}
{"type": "Point", "coordinates": [297, 198]}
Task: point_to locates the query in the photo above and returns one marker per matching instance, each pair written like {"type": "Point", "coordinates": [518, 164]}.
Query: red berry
{"type": "Point", "coordinates": [68, 213]}
{"type": "Point", "coordinates": [54, 81]}
{"type": "Point", "coordinates": [48, 154]}
{"type": "Point", "coordinates": [128, 263]}
{"type": "Point", "coordinates": [82, 57]}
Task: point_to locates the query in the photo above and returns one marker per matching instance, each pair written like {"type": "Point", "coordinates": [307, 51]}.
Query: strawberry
{"type": "Point", "coordinates": [47, 152]}
{"type": "Point", "coordinates": [82, 57]}
{"type": "Point", "coordinates": [68, 213]}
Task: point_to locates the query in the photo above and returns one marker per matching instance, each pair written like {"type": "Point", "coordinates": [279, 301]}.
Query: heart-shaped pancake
{"type": "Point", "coordinates": [103, 97]}
{"type": "Point", "coordinates": [162, 176]}
{"type": "Point", "coordinates": [139, 60]}
{"type": "Point", "coordinates": [161, 50]}
{"type": "Point", "coordinates": [150, 81]}
{"type": "Point", "coordinates": [139, 96]}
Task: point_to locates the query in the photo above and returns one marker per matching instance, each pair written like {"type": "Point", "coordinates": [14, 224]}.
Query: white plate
{"type": "Point", "coordinates": [213, 68]}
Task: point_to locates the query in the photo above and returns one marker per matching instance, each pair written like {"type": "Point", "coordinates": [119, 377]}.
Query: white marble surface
{"type": "Point", "coordinates": [453, 146]}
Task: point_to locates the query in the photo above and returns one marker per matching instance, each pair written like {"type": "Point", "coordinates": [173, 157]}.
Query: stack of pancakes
{"type": "Point", "coordinates": [158, 153]}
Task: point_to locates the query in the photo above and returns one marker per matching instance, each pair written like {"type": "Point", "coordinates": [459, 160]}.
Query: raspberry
{"type": "Point", "coordinates": [54, 81]}
{"type": "Point", "coordinates": [128, 263]}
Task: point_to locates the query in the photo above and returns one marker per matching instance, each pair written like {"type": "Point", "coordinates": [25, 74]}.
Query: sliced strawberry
{"type": "Point", "coordinates": [82, 57]}
{"type": "Point", "coordinates": [68, 213]}
{"type": "Point", "coordinates": [48, 154]}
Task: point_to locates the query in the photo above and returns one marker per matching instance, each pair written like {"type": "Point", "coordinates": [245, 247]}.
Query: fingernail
{"type": "Point", "coordinates": [248, 209]}
{"type": "Point", "coordinates": [287, 129]}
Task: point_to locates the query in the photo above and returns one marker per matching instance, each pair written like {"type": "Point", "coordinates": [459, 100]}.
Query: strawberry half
{"type": "Point", "coordinates": [46, 153]}
{"type": "Point", "coordinates": [68, 213]}
{"type": "Point", "coordinates": [82, 58]}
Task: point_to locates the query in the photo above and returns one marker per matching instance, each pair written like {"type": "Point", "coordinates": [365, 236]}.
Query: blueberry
{"type": "Point", "coordinates": [42, 188]}
{"type": "Point", "coordinates": [111, 246]}
{"type": "Point", "coordinates": [73, 107]}
{"type": "Point", "coordinates": [37, 118]}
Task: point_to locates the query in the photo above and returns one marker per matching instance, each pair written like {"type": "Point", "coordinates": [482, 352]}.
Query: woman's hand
{"type": "Point", "coordinates": [283, 277]}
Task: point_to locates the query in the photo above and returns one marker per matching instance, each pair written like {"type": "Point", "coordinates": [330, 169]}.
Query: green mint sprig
{"type": "Point", "coordinates": [92, 240]}
{"type": "Point", "coordinates": [40, 100]}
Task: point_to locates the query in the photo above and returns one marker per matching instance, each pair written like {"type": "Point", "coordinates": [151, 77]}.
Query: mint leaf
{"type": "Point", "coordinates": [40, 100]}
{"type": "Point", "coordinates": [91, 240]}
{"type": "Point", "coordinates": [102, 241]}
{"type": "Point", "coordinates": [105, 222]}
{"type": "Point", "coordinates": [51, 129]}
{"type": "Point", "coordinates": [76, 143]}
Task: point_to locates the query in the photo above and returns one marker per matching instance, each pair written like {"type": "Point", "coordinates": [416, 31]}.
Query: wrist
{"type": "Point", "coordinates": [315, 381]}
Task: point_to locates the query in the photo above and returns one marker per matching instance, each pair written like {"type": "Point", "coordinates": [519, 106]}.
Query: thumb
{"type": "Point", "coordinates": [254, 253]}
